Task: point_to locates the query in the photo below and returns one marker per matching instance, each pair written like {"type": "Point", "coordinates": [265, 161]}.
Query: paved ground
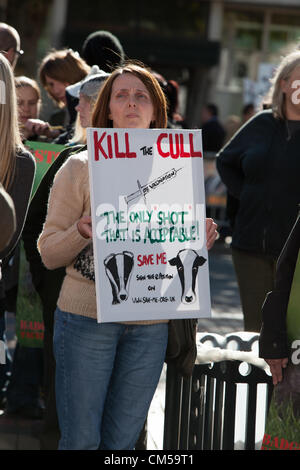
{"type": "Point", "coordinates": [226, 318]}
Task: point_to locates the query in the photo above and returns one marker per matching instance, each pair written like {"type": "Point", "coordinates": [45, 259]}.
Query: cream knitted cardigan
{"type": "Point", "coordinates": [60, 242]}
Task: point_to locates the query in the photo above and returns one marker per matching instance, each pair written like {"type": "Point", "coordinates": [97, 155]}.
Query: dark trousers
{"type": "Point", "coordinates": [49, 292]}
{"type": "Point", "coordinates": [26, 378]}
{"type": "Point", "coordinates": [255, 275]}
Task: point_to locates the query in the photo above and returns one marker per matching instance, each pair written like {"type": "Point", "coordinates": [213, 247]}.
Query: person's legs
{"type": "Point", "coordinates": [138, 365]}
{"type": "Point", "coordinates": [50, 434]}
{"type": "Point", "coordinates": [255, 276]}
{"type": "Point", "coordinates": [5, 369]}
{"type": "Point", "coordinates": [85, 353]}
{"type": "Point", "coordinates": [48, 291]}
{"type": "Point", "coordinates": [23, 393]}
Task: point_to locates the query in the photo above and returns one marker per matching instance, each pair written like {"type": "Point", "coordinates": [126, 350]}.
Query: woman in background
{"type": "Point", "coordinates": [260, 166]}
{"type": "Point", "coordinates": [17, 166]}
{"type": "Point", "coordinates": [87, 92]}
{"type": "Point", "coordinates": [48, 283]}
{"type": "Point", "coordinates": [17, 169]}
{"type": "Point", "coordinates": [29, 105]}
{"type": "Point", "coordinates": [58, 70]}
{"type": "Point", "coordinates": [107, 376]}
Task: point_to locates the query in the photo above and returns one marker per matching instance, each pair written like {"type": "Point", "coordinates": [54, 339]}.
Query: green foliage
{"type": "Point", "coordinates": [282, 424]}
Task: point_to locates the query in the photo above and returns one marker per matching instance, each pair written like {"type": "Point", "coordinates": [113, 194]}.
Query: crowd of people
{"type": "Point", "coordinates": [98, 379]}
{"type": "Point", "coordinates": [111, 413]}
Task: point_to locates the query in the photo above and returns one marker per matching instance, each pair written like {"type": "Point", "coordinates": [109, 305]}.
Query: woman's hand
{"type": "Point", "coordinates": [276, 366]}
{"type": "Point", "coordinates": [84, 226]}
{"type": "Point", "coordinates": [38, 127]}
{"type": "Point", "coordinates": [211, 233]}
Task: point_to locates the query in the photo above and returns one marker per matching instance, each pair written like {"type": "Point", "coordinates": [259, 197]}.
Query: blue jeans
{"type": "Point", "coordinates": [106, 376]}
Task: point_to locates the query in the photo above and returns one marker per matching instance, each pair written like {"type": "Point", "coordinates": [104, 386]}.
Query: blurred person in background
{"type": "Point", "coordinates": [10, 44]}
{"type": "Point", "coordinates": [58, 70]}
{"type": "Point", "coordinates": [48, 282]}
{"type": "Point", "coordinates": [29, 104]}
{"type": "Point", "coordinates": [171, 92]}
{"type": "Point", "coordinates": [17, 170]}
{"type": "Point", "coordinates": [27, 369]}
{"type": "Point", "coordinates": [86, 92]}
{"type": "Point", "coordinates": [213, 132]}
{"type": "Point", "coordinates": [248, 112]}
{"type": "Point", "coordinates": [104, 49]}
{"type": "Point", "coordinates": [231, 125]}
{"type": "Point", "coordinates": [232, 203]}
{"type": "Point", "coordinates": [260, 167]}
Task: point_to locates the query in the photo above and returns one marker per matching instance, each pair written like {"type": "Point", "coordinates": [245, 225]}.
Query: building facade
{"type": "Point", "coordinates": [221, 51]}
{"type": "Point", "coordinates": [254, 35]}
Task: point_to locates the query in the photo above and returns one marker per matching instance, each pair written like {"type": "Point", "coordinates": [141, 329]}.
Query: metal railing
{"type": "Point", "coordinates": [204, 412]}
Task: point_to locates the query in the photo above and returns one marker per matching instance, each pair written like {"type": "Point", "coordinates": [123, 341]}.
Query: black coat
{"type": "Point", "coordinates": [213, 135]}
{"type": "Point", "coordinates": [20, 191]}
{"type": "Point", "coordinates": [273, 342]}
{"type": "Point", "coordinates": [260, 167]}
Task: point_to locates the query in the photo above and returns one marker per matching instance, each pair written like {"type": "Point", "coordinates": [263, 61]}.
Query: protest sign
{"type": "Point", "coordinates": [29, 318]}
{"type": "Point", "coordinates": [148, 219]}
{"type": "Point", "coordinates": [29, 314]}
{"type": "Point", "coordinates": [44, 154]}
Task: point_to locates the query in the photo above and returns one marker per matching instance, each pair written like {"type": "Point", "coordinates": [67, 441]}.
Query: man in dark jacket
{"type": "Point", "coordinates": [213, 133]}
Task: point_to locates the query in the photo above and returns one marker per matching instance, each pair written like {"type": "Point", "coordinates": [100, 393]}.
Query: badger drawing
{"type": "Point", "coordinates": [118, 268]}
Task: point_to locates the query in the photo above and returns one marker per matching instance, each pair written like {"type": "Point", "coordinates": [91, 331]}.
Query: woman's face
{"type": "Point", "coordinates": [130, 103]}
{"type": "Point", "coordinates": [84, 109]}
{"type": "Point", "coordinates": [56, 89]}
{"type": "Point", "coordinates": [28, 103]}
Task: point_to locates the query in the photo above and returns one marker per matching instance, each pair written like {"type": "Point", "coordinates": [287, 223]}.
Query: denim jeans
{"type": "Point", "coordinates": [106, 376]}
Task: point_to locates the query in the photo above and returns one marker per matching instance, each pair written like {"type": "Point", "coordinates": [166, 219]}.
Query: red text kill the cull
{"type": "Point", "coordinates": [114, 145]}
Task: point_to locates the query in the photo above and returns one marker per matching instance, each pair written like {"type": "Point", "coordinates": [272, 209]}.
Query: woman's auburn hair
{"type": "Point", "coordinates": [63, 65]}
{"type": "Point", "coordinates": [11, 141]}
{"type": "Point", "coordinates": [100, 117]}
{"type": "Point", "coordinates": [276, 97]}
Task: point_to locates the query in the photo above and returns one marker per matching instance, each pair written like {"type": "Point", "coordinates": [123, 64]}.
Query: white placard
{"type": "Point", "coordinates": [148, 218]}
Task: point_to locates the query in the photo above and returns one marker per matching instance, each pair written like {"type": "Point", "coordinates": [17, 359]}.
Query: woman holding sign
{"type": "Point", "coordinates": [106, 373]}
